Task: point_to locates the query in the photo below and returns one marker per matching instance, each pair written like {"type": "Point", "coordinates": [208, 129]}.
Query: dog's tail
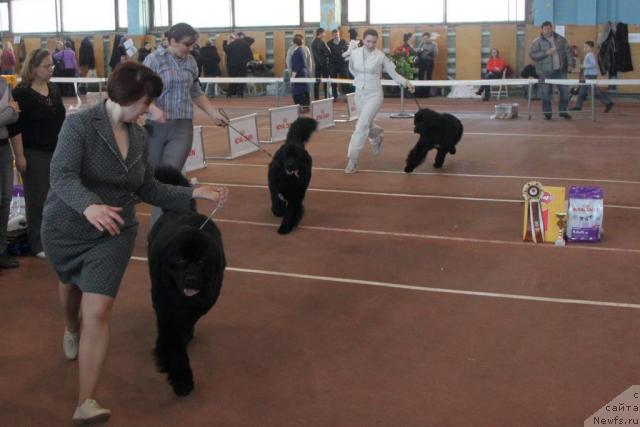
{"type": "Point", "coordinates": [301, 130]}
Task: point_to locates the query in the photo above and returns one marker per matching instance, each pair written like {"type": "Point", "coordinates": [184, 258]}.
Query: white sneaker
{"type": "Point", "coordinates": [352, 166]}
{"type": "Point", "coordinates": [90, 412]}
{"type": "Point", "coordinates": [70, 344]}
{"type": "Point", "coordinates": [377, 144]}
{"type": "Point", "coordinates": [41, 255]}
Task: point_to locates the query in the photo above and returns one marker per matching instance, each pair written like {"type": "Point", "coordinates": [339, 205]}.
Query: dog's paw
{"type": "Point", "coordinates": [408, 169]}
{"type": "Point", "coordinates": [284, 229]}
{"type": "Point", "coordinates": [452, 151]}
{"type": "Point", "coordinates": [437, 165]}
{"type": "Point", "coordinates": [182, 388]}
{"type": "Point", "coordinates": [277, 213]}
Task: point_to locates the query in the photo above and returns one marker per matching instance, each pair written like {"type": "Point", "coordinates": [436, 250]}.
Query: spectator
{"type": "Point", "coordinates": [210, 65]}
{"type": "Point", "coordinates": [238, 50]}
{"type": "Point", "coordinates": [321, 59]}
{"type": "Point", "coordinates": [8, 60]}
{"type": "Point", "coordinates": [87, 59]}
{"type": "Point", "coordinates": [353, 44]}
{"type": "Point", "coordinates": [590, 71]}
{"type": "Point", "coordinates": [144, 52]}
{"type": "Point", "coordinates": [41, 116]}
{"type": "Point", "coordinates": [427, 53]}
{"type": "Point", "coordinates": [337, 64]}
{"type": "Point", "coordinates": [408, 40]}
{"type": "Point", "coordinates": [495, 68]}
{"type": "Point", "coordinates": [70, 68]}
{"type": "Point", "coordinates": [550, 53]}
{"type": "Point", "coordinates": [299, 69]}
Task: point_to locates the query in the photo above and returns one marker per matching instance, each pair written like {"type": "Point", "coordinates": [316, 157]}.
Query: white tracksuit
{"type": "Point", "coordinates": [366, 68]}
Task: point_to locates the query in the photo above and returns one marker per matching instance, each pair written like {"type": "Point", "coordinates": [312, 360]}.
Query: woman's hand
{"type": "Point", "coordinates": [411, 87]}
{"type": "Point", "coordinates": [14, 106]}
{"type": "Point", "coordinates": [156, 114]}
{"type": "Point", "coordinates": [104, 217]}
{"type": "Point", "coordinates": [21, 163]}
{"type": "Point", "coordinates": [215, 194]}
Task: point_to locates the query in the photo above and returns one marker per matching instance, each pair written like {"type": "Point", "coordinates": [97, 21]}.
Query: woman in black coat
{"type": "Point", "coordinates": [210, 65]}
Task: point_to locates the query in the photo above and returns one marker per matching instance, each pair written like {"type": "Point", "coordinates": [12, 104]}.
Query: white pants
{"type": "Point", "coordinates": [368, 103]}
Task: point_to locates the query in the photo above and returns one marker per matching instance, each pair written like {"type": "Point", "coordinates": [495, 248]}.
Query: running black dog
{"type": "Point", "coordinates": [186, 266]}
{"type": "Point", "coordinates": [290, 174]}
{"type": "Point", "coordinates": [439, 131]}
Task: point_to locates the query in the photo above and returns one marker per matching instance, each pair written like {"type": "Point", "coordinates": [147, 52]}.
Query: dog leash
{"type": "Point", "coordinates": [415, 98]}
{"type": "Point", "coordinates": [213, 212]}
{"type": "Point", "coordinates": [228, 123]}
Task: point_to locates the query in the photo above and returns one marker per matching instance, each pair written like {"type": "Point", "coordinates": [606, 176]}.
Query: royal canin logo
{"type": "Point", "coordinates": [322, 115]}
{"type": "Point", "coordinates": [546, 198]}
{"type": "Point", "coordinates": [283, 125]}
{"type": "Point", "coordinates": [240, 139]}
{"type": "Point", "coordinates": [192, 153]}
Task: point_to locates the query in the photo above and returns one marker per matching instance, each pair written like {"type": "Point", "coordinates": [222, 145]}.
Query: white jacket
{"type": "Point", "coordinates": [367, 74]}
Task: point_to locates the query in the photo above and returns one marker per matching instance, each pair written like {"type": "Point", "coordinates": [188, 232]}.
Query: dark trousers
{"type": "Point", "coordinates": [67, 89]}
{"type": "Point", "coordinates": [36, 188]}
{"type": "Point", "coordinates": [302, 99]}
{"type": "Point", "coordinates": [492, 75]}
{"type": "Point", "coordinates": [584, 91]}
{"type": "Point", "coordinates": [337, 72]}
{"type": "Point", "coordinates": [425, 72]}
{"type": "Point", "coordinates": [321, 71]}
{"type": "Point", "coordinates": [6, 185]}
{"type": "Point", "coordinates": [237, 88]}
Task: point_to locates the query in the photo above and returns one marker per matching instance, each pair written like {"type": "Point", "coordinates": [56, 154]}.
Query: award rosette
{"type": "Point", "coordinates": [534, 221]}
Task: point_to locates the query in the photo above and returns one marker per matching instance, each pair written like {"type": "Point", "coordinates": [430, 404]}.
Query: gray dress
{"type": "Point", "coordinates": [87, 168]}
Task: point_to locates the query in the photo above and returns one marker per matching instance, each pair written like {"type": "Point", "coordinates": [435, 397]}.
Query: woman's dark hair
{"type": "Point", "coordinates": [426, 33]}
{"type": "Point", "coordinates": [182, 31]}
{"type": "Point", "coordinates": [406, 37]}
{"type": "Point", "coordinates": [590, 44]}
{"type": "Point", "coordinates": [319, 31]}
{"type": "Point", "coordinates": [353, 34]}
{"type": "Point", "coordinates": [370, 32]}
{"type": "Point", "coordinates": [67, 44]}
{"type": "Point", "coordinates": [131, 81]}
{"type": "Point", "coordinates": [297, 40]}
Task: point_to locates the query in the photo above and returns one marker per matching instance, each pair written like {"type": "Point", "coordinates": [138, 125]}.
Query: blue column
{"type": "Point", "coordinates": [543, 11]}
{"type": "Point", "coordinates": [138, 17]}
{"type": "Point", "coordinates": [587, 12]}
{"type": "Point", "coordinates": [330, 14]}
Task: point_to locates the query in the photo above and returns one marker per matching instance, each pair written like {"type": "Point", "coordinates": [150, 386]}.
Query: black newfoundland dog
{"type": "Point", "coordinates": [290, 174]}
{"type": "Point", "coordinates": [439, 131]}
{"type": "Point", "coordinates": [186, 266]}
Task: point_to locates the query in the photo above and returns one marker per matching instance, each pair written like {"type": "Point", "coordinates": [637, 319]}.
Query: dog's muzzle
{"type": "Point", "coordinates": [295, 172]}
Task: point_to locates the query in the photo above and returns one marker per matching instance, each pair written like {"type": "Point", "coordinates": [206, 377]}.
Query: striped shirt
{"type": "Point", "coordinates": [180, 83]}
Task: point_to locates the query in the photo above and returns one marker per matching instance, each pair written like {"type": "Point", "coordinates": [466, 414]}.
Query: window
{"type": "Point", "coordinates": [34, 16]}
{"type": "Point", "coordinates": [357, 10]}
{"type": "Point", "coordinates": [251, 13]}
{"type": "Point", "coordinates": [123, 20]}
{"type": "Point", "coordinates": [4, 17]}
{"type": "Point", "coordinates": [160, 13]}
{"type": "Point", "coordinates": [485, 11]}
{"type": "Point", "coordinates": [311, 10]}
{"type": "Point", "coordinates": [76, 18]}
{"type": "Point", "coordinates": [202, 13]}
{"type": "Point", "coordinates": [406, 11]}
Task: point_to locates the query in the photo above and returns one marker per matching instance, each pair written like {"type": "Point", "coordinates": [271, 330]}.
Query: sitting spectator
{"type": "Point", "coordinates": [590, 71]}
{"type": "Point", "coordinates": [495, 68]}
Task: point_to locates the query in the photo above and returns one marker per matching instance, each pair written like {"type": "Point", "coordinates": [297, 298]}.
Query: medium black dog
{"type": "Point", "coordinates": [186, 266]}
{"type": "Point", "coordinates": [290, 174]}
{"type": "Point", "coordinates": [439, 131]}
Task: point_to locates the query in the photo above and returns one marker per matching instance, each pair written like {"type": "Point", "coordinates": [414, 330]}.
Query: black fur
{"type": "Point", "coordinates": [290, 174]}
{"type": "Point", "coordinates": [439, 131]}
{"type": "Point", "coordinates": [182, 260]}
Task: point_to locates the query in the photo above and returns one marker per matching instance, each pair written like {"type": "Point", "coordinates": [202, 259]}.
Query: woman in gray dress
{"type": "Point", "coordinates": [98, 170]}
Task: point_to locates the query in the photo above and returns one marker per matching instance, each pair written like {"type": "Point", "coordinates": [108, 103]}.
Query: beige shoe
{"type": "Point", "coordinates": [352, 166]}
{"type": "Point", "coordinates": [70, 344]}
{"type": "Point", "coordinates": [90, 412]}
{"type": "Point", "coordinates": [377, 144]}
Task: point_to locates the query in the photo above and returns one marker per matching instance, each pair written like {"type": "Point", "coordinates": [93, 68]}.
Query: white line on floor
{"type": "Point", "coordinates": [426, 289]}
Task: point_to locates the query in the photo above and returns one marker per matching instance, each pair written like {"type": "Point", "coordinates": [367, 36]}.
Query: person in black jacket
{"type": "Point", "coordinates": [210, 66]}
{"type": "Point", "coordinates": [87, 60]}
{"type": "Point", "coordinates": [337, 64]}
{"type": "Point", "coordinates": [238, 50]}
{"type": "Point", "coordinates": [118, 51]}
{"type": "Point", "coordinates": [321, 57]}
{"type": "Point", "coordinates": [144, 52]}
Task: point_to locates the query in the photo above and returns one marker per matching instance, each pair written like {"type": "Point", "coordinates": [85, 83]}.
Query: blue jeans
{"type": "Point", "coordinates": [584, 91]}
{"type": "Point", "coordinates": [546, 93]}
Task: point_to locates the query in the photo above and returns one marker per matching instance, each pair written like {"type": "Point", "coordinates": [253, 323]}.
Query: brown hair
{"type": "Point", "coordinates": [33, 61]}
{"type": "Point", "coordinates": [182, 31]}
{"type": "Point", "coordinates": [370, 32]}
{"type": "Point", "coordinates": [297, 40]}
{"type": "Point", "coordinates": [131, 81]}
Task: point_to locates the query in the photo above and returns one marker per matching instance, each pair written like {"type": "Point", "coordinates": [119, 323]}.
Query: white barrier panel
{"type": "Point", "coordinates": [238, 144]}
{"type": "Point", "coordinates": [280, 119]}
{"type": "Point", "coordinates": [351, 105]}
{"type": "Point", "coordinates": [322, 112]}
{"type": "Point", "coordinates": [195, 159]}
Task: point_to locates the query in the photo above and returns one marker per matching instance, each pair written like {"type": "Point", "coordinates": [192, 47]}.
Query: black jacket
{"type": "Point", "coordinates": [87, 56]}
{"type": "Point", "coordinates": [336, 59]}
{"type": "Point", "coordinates": [623, 52]}
{"type": "Point", "coordinates": [238, 52]}
{"type": "Point", "coordinates": [210, 61]}
{"type": "Point", "coordinates": [143, 53]}
{"type": "Point", "coordinates": [321, 53]}
{"type": "Point", "coordinates": [118, 51]}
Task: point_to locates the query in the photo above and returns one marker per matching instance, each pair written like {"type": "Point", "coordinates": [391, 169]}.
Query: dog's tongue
{"type": "Point", "coordinates": [190, 292]}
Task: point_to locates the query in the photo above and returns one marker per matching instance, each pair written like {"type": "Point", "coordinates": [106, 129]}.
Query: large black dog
{"type": "Point", "coordinates": [290, 174]}
{"type": "Point", "coordinates": [186, 266]}
{"type": "Point", "coordinates": [439, 131]}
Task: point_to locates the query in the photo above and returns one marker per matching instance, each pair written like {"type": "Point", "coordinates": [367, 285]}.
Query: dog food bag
{"type": "Point", "coordinates": [586, 211]}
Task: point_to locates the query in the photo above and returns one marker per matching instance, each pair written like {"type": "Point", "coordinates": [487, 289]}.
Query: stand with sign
{"type": "Point", "coordinates": [195, 159]}
{"type": "Point", "coordinates": [279, 121]}
{"type": "Point", "coordinates": [322, 112]}
{"type": "Point", "coordinates": [238, 144]}
{"type": "Point", "coordinates": [352, 111]}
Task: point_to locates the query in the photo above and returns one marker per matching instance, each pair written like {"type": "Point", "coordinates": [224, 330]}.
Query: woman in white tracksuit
{"type": "Point", "coordinates": [366, 65]}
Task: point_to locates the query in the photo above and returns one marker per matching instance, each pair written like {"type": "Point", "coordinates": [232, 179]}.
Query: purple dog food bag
{"type": "Point", "coordinates": [586, 211]}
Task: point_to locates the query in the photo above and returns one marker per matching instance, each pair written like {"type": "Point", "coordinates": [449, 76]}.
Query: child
{"type": "Point", "coordinates": [590, 71]}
